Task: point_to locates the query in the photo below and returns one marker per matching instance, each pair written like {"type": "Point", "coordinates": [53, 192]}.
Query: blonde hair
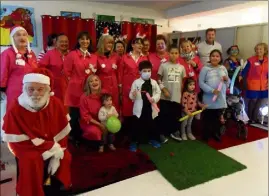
{"type": "Point", "coordinates": [184, 42]}
{"type": "Point", "coordinates": [101, 44]}
{"type": "Point", "coordinates": [87, 88]}
{"type": "Point", "coordinates": [265, 46]}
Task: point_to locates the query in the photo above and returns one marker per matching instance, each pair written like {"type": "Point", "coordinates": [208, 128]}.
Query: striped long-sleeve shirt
{"type": "Point", "coordinates": [43, 52]}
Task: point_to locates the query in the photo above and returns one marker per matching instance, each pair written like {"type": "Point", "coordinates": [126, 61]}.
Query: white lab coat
{"type": "Point", "coordinates": [138, 101]}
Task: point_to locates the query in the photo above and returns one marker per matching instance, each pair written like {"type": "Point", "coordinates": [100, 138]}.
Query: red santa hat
{"type": "Point", "coordinates": [106, 31]}
{"type": "Point", "coordinates": [39, 75]}
{"type": "Point", "coordinates": [14, 30]}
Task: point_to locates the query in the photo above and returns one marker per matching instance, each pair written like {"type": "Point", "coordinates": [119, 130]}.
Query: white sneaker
{"type": "Point", "coordinates": [184, 137]}
{"type": "Point", "coordinates": [176, 136]}
{"type": "Point", "coordinates": [191, 137]}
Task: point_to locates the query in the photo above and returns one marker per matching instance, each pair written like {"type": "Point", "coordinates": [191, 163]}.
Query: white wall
{"type": "Point", "coordinates": [243, 14]}
{"type": "Point", "coordinates": [197, 7]}
{"type": "Point", "coordinates": [87, 9]}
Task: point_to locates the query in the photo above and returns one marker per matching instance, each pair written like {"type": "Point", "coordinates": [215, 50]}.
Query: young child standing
{"type": "Point", "coordinates": [210, 78]}
{"type": "Point", "coordinates": [145, 93]}
{"type": "Point", "coordinates": [106, 111]}
{"type": "Point", "coordinates": [189, 104]}
{"type": "Point", "coordinates": [170, 78]}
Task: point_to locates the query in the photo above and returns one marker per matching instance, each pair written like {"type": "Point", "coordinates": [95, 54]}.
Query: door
{"type": "Point", "coordinates": [247, 37]}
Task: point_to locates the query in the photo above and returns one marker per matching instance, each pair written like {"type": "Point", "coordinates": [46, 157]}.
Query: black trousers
{"type": "Point", "coordinates": [168, 119]}
{"type": "Point", "coordinates": [76, 131]}
{"type": "Point", "coordinates": [211, 122]}
{"type": "Point", "coordinates": [143, 129]}
{"type": "Point", "coordinates": [126, 126]}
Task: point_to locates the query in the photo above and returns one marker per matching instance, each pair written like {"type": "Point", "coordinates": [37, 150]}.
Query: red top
{"type": "Point", "coordinates": [128, 72]}
{"type": "Point", "coordinates": [156, 61]}
{"type": "Point", "coordinates": [54, 61]}
{"type": "Point", "coordinates": [189, 102]}
{"type": "Point", "coordinates": [107, 70]}
{"type": "Point", "coordinates": [12, 73]}
{"type": "Point", "coordinates": [77, 68]}
{"type": "Point", "coordinates": [190, 71]}
{"type": "Point", "coordinates": [89, 109]}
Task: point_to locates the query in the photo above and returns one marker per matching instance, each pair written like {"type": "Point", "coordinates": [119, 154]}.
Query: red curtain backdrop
{"type": "Point", "coordinates": [70, 26]}
{"type": "Point", "coordinates": [132, 29]}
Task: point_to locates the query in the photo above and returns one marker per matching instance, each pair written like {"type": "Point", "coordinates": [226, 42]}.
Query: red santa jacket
{"type": "Point", "coordinates": [23, 126]}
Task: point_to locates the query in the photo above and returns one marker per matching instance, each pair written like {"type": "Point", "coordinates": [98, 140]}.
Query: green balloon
{"type": "Point", "coordinates": [113, 124]}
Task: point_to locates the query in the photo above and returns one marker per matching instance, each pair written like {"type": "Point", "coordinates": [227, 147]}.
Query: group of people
{"type": "Point", "coordinates": [150, 92]}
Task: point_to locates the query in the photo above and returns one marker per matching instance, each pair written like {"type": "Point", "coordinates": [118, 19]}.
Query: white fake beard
{"type": "Point", "coordinates": [36, 102]}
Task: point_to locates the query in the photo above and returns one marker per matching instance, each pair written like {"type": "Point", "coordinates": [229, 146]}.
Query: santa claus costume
{"type": "Point", "coordinates": [38, 135]}
{"type": "Point", "coordinates": [107, 68]}
{"type": "Point", "coordinates": [14, 64]}
{"type": "Point", "coordinates": [54, 61]}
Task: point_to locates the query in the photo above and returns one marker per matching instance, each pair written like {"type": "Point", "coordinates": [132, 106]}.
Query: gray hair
{"type": "Point", "coordinates": [87, 88]}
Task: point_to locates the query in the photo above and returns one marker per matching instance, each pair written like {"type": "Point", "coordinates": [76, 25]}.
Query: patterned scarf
{"type": "Point", "coordinates": [188, 56]}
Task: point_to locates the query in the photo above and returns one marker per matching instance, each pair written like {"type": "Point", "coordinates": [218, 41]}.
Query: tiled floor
{"type": "Point", "coordinates": [250, 182]}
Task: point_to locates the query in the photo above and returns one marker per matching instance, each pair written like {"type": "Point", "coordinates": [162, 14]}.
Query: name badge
{"type": "Point", "coordinates": [257, 64]}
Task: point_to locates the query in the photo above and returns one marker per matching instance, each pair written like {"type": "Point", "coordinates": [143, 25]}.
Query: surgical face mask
{"type": "Point", "coordinates": [145, 75]}
{"type": "Point", "coordinates": [234, 52]}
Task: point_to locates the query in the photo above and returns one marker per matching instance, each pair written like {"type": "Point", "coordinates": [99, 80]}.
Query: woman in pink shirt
{"type": "Point", "coordinates": [107, 67]}
{"type": "Point", "coordinates": [78, 64]}
{"type": "Point", "coordinates": [159, 57]}
{"type": "Point", "coordinates": [90, 104]}
{"type": "Point", "coordinates": [54, 60]}
{"type": "Point", "coordinates": [15, 62]}
{"type": "Point", "coordinates": [129, 72]}
{"type": "Point", "coordinates": [190, 61]}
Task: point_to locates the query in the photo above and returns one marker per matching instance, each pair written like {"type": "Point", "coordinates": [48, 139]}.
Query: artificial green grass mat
{"type": "Point", "coordinates": [193, 163]}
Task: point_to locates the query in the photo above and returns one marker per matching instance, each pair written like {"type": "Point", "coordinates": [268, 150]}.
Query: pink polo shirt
{"type": "Point", "coordinates": [156, 61]}
{"type": "Point", "coordinates": [77, 68]}
{"type": "Point", "coordinates": [54, 61]}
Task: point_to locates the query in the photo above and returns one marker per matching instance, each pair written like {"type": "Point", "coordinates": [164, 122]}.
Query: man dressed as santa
{"type": "Point", "coordinates": [36, 128]}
